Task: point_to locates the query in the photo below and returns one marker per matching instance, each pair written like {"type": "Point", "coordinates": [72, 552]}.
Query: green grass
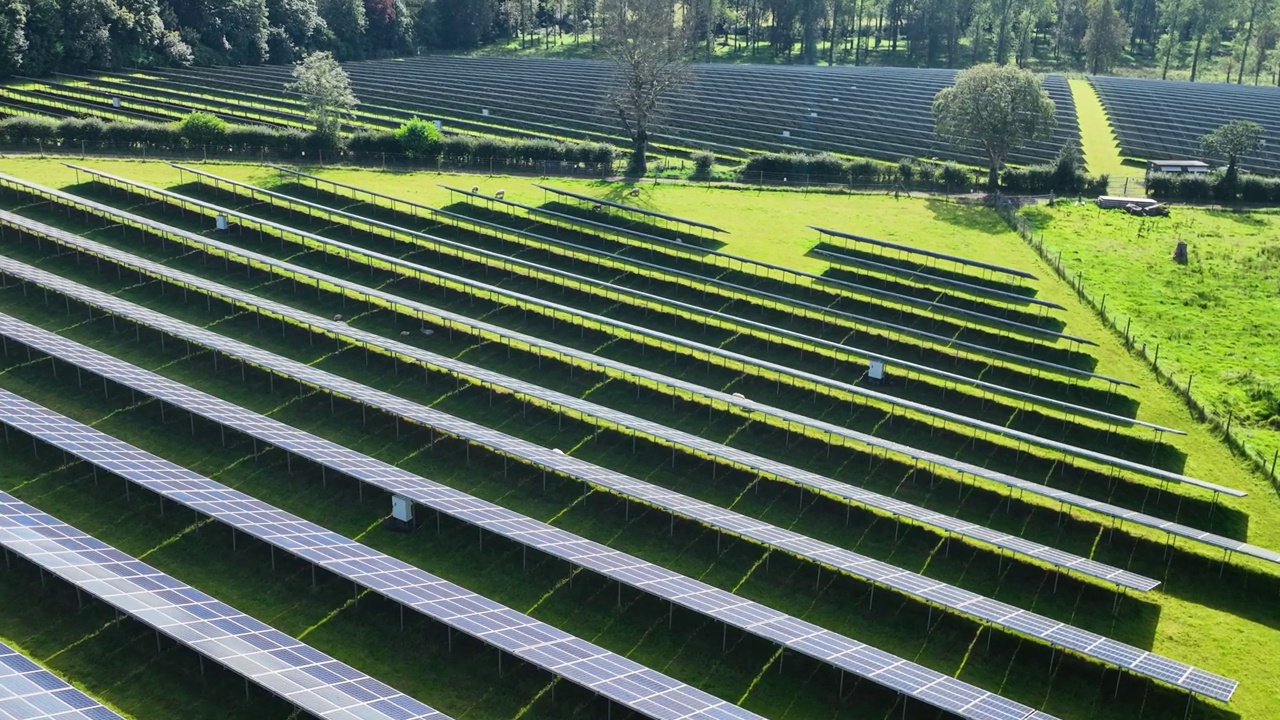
{"type": "Point", "coordinates": [1217, 318]}
{"type": "Point", "coordinates": [1098, 141]}
{"type": "Point", "coordinates": [1197, 617]}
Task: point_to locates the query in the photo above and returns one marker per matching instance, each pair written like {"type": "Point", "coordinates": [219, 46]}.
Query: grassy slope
{"type": "Point", "coordinates": [770, 226]}
{"type": "Point", "coordinates": [1217, 318]}
{"type": "Point", "coordinates": [1097, 140]}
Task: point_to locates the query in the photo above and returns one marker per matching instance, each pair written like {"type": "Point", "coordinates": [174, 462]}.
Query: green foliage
{"type": "Point", "coordinates": [996, 109]}
{"type": "Point", "coordinates": [23, 130]}
{"type": "Point", "coordinates": [326, 89]}
{"type": "Point", "coordinates": [1230, 142]}
{"type": "Point", "coordinates": [74, 130]}
{"type": "Point", "coordinates": [1106, 36]}
{"type": "Point", "coordinates": [703, 162]}
{"type": "Point", "coordinates": [13, 37]}
{"type": "Point", "coordinates": [200, 129]}
{"type": "Point", "coordinates": [419, 139]}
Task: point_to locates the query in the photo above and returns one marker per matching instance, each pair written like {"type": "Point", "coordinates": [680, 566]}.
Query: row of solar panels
{"type": "Point", "coordinates": [484, 437]}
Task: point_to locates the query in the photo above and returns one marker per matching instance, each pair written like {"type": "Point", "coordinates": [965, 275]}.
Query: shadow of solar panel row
{"type": "Point", "coordinates": [605, 673]}
{"type": "Point", "coordinates": [878, 112]}
{"type": "Point", "coordinates": [507, 336]}
{"type": "Point", "coordinates": [30, 692]}
{"type": "Point", "coordinates": [1059, 634]}
{"type": "Point", "coordinates": [600, 415]}
{"type": "Point", "coordinates": [527, 301]}
{"type": "Point", "coordinates": [1164, 120]}
{"type": "Point", "coordinates": [756, 619]}
{"type": "Point", "coordinates": [899, 247]}
{"type": "Point", "coordinates": [285, 667]}
{"type": "Point", "coordinates": [580, 405]}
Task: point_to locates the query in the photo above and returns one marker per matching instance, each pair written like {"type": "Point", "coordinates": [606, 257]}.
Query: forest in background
{"type": "Point", "coordinates": [1207, 40]}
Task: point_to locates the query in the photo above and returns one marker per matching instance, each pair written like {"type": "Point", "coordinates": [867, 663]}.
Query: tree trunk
{"type": "Point", "coordinates": [1248, 37]}
{"type": "Point", "coordinates": [640, 153]}
{"type": "Point", "coordinates": [993, 177]}
{"type": "Point", "coordinates": [1195, 57]}
{"type": "Point", "coordinates": [1168, 54]}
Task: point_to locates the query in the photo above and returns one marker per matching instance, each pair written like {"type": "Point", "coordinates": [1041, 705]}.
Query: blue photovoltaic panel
{"type": "Point", "coordinates": [282, 665]}
{"type": "Point", "coordinates": [926, 253]}
{"type": "Point", "coordinates": [30, 692]}
{"type": "Point", "coordinates": [975, 605]}
{"type": "Point", "coordinates": [621, 680]}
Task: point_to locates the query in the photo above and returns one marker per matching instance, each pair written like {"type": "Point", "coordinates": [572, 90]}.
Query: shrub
{"type": "Point", "coordinates": [703, 161]}
{"type": "Point", "coordinates": [28, 129]}
{"type": "Point", "coordinates": [375, 141]}
{"type": "Point", "coordinates": [953, 177]}
{"type": "Point", "coordinates": [796, 166]}
{"type": "Point", "coordinates": [251, 137]}
{"type": "Point", "coordinates": [1171, 186]}
{"type": "Point", "coordinates": [864, 171]}
{"type": "Point", "coordinates": [87, 131]}
{"type": "Point", "coordinates": [906, 170]}
{"type": "Point", "coordinates": [199, 129]}
{"type": "Point", "coordinates": [419, 139]}
{"type": "Point", "coordinates": [1259, 190]}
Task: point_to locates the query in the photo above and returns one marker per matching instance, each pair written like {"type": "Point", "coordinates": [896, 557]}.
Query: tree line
{"type": "Point", "coordinates": [1199, 39]}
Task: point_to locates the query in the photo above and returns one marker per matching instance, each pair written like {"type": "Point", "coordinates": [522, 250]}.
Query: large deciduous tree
{"type": "Point", "coordinates": [326, 89]}
{"type": "Point", "coordinates": [1105, 37]}
{"type": "Point", "coordinates": [995, 108]}
{"type": "Point", "coordinates": [650, 56]}
{"type": "Point", "coordinates": [1231, 142]}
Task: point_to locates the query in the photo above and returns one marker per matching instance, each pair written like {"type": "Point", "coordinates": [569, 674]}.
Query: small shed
{"type": "Point", "coordinates": [1177, 167]}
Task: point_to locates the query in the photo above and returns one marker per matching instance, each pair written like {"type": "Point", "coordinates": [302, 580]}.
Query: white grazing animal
{"type": "Point", "coordinates": [475, 188]}
{"type": "Point", "coordinates": [633, 192]}
{"type": "Point", "coordinates": [404, 333]}
{"type": "Point", "coordinates": [740, 396]}
{"type": "Point", "coordinates": [557, 451]}
{"type": "Point", "coordinates": [500, 194]}
{"type": "Point", "coordinates": [426, 331]}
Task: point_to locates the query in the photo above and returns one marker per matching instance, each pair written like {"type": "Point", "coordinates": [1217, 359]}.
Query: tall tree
{"type": "Point", "coordinates": [295, 26]}
{"type": "Point", "coordinates": [347, 24]}
{"type": "Point", "coordinates": [1232, 141]}
{"type": "Point", "coordinates": [1106, 36]}
{"type": "Point", "coordinates": [995, 108]}
{"type": "Point", "coordinates": [1256, 8]}
{"type": "Point", "coordinates": [326, 89]}
{"type": "Point", "coordinates": [13, 36]}
{"type": "Point", "coordinates": [651, 60]}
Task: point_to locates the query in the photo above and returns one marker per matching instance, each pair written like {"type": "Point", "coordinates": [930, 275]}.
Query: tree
{"type": "Point", "coordinates": [326, 89]}
{"type": "Point", "coordinates": [1231, 141]}
{"type": "Point", "coordinates": [1106, 36]}
{"type": "Point", "coordinates": [996, 109]}
{"type": "Point", "coordinates": [202, 129]}
{"type": "Point", "coordinates": [650, 58]}
{"type": "Point", "coordinates": [420, 139]}
{"type": "Point", "coordinates": [13, 36]}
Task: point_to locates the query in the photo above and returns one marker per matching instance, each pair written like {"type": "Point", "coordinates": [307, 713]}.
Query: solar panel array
{"type": "Point", "coordinates": [288, 668]}
{"type": "Point", "coordinates": [30, 692]}
{"type": "Point", "coordinates": [906, 365]}
{"type": "Point", "coordinates": [562, 277]}
{"type": "Point", "coordinates": [1090, 644]}
{"type": "Point", "coordinates": [925, 253]}
{"type": "Point", "coordinates": [931, 459]}
{"type": "Point", "coordinates": [998, 430]}
{"type": "Point", "coordinates": [631, 208]}
{"type": "Point", "coordinates": [692, 594]}
{"type": "Point", "coordinates": [608, 674]}
{"type": "Point", "coordinates": [505, 335]}
{"type": "Point", "coordinates": [755, 463]}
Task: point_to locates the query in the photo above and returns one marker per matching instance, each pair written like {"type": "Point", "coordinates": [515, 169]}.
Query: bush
{"type": "Point", "coordinates": [953, 177]}
{"type": "Point", "coordinates": [703, 161]}
{"type": "Point", "coordinates": [419, 139]}
{"type": "Point", "coordinates": [1259, 190]}
{"type": "Point", "coordinates": [76, 131]}
{"type": "Point", "coordinates": [906, 170]}
{"type": "Point", "coordinates": [246, 138]}
{"type": "Point", "coordinates": [1173, 186]}
{"type": "Point", "coordinates": [199, 129]}
{"type": "Point", "coordinates": [28, 129]}
{"type": "Point", "coordinates": [823, 167]}
{"type": "Point", "coordinates": [374, 141]}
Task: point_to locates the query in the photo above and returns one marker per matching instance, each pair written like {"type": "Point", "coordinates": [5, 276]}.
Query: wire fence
{"type": "Point", "coordinates": [1224, 427]}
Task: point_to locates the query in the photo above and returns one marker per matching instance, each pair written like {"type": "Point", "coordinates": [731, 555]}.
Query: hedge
{"type": "Point", "coordinates": [285, 142]}
{"type": "Point", "coordinates": [1199, 188]}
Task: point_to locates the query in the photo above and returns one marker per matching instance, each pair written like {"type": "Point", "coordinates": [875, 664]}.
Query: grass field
{"type": "Point", "coordinates": [1196, 617]}
{"type": "Point", "coordinates": [1217, 318]}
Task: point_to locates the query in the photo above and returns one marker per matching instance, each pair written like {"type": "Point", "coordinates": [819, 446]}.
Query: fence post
{"type": "Point", "coordinates": [1189, 377]}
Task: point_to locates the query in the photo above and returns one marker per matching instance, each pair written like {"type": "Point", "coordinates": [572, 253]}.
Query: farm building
{"type": "Point", "coordinates": [1192, 167]}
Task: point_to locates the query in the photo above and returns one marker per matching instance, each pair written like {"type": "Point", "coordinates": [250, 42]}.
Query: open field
{"type": "Point", "coordinates": [1217, 617]}
{"type": "Point", "coordinates": [1217, 318]}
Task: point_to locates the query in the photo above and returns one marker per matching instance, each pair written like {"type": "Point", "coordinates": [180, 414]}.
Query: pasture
{"type": "Point", "coordinates": [627, 296]}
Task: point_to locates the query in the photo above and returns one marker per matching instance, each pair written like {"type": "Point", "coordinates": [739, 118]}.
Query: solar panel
{"type": "Point", "coordinates": [552, 650]}
{"type": "Point", "coordinates": [855, 565]}
{"type": "Point", "coordinates": [927, 253]}
{"type": "Point", "coordinates": [907, 365]}
{"type": "Point", "coordinates": [688, 441]}
{"type": "Point", "coordinates": [631, 208]}
{"type": "Point", "coordinates": [30, 692]}
{"type": "Point", "coordinates": [248, 647]}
